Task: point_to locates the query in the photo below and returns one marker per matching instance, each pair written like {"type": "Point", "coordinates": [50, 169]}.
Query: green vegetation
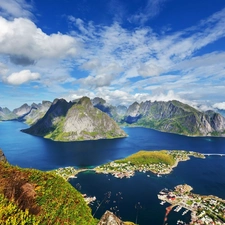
{"type": "Point", "coordinates": [30, 196]}
{"type": "Point", "coordinates": [149, 157]}
{"type": "Point", "coordinates": [159, 162]}
{"type": "Point", "coordinates": [10, 214]}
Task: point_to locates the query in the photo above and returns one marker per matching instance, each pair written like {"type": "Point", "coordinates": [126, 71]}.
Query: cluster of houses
{"type": "Point", "coordinates": [208, 210]}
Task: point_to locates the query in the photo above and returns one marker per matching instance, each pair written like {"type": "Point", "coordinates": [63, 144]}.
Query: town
{"type": "Point", "coordinates": [126, 168]}
{"type": "Point", "coordinates": [204, 209]}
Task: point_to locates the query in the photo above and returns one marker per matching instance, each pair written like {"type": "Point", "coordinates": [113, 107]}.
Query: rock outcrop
{"type": "Point", "coordinates": [72, 121]}
{"type": "Point", "coordinates": [110, 219]}
{"type": "Point", "coordinates": [2, 157]}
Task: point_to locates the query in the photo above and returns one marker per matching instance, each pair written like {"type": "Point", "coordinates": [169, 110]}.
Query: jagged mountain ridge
{"type": "Point", "coordinates": [175, 117]}
{"type": "Point", "coordinates": [172, 116]}
{"type": "Point", "coordinates": [31, 114]}
{"type": "Point", "coordinates": [6, 114]}
{"type": "Point", "coordinates": [71, 121]}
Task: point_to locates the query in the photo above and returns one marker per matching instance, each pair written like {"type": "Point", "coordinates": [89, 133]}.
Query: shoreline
{"type": "Point", "coordinates": [127, 170]}
{"type": "Point", "coordinates": [200, 206]}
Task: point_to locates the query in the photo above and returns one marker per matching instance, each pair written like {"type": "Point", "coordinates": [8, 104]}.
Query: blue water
{"type": "Point", "coordinates": [205, 176]}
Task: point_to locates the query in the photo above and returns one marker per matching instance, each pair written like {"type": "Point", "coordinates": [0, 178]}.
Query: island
{"type": "Point", "coordinates": [204, 209]}
{"type": "Point", "coordinates": [157, 162]}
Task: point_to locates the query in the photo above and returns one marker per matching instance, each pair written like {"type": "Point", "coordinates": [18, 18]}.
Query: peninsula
{"type": "Point", "coordinates": [157, 162]}
{"type": "Point", "coordinates": [204, 209]}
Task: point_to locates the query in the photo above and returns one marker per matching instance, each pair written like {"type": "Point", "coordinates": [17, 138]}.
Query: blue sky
{"type": "Point", "coordinates": [120, 50]}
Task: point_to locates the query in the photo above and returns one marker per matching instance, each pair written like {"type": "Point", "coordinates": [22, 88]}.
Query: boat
{"type": "Point", "coordinates": [185, 212]}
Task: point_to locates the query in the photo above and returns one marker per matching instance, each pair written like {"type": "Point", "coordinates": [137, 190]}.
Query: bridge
{"type": "Point", "coordinates": [213, 154]}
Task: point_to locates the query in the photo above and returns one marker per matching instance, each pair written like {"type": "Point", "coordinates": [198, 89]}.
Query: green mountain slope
{"type": "Point", "coordinates": [30, 196]}
{"type": "Point", "coordinates": [175, 117]}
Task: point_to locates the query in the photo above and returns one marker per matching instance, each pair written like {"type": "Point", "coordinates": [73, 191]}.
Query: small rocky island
{"type": "Point", "coordinates": [204, 209]}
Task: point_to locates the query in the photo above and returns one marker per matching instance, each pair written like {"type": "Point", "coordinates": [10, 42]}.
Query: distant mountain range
{"type": "Point", "coordinates": [171, 116]}
{"type": "Point", "coordinates": [80, 118]}
{"type": "Point", "coordinates": [6, 114]}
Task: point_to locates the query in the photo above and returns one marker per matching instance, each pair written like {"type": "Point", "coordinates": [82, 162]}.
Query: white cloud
{"type": "Point", "coordinates": [3, 69]}
{"type": "Point", "coordinates": [147, 69]}
{"type": "Point", "coordinates": [15, 8]}
{"type": "Point", "coordinates": [101, 75]}
{"type": "Point", "coordinates": [152, 9]}
{"type": "Point", "coordinates": [117, 62]}
{"type": "Point", "coordinates": [21, 77]}
{"type": "Point", "coordinates": [21, 39]}
{"type": "Point", "coordinates": [219, 105]}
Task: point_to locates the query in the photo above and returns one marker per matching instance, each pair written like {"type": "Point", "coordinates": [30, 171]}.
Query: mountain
{"type": "Point", "coordinates": [72, 121]}
{"type": "Point", "coordinates": [22, 110]}
{"type": "Point", "coordinates": [115, 112]}
{"type": "Point", "coordinates": [6, 114]}
{"type": "Point", "coordinates": [175, 117]}
{"type": "Point", "coordinates": [30, 114]}
{"type": "Point", "coordinates": [36, 112]}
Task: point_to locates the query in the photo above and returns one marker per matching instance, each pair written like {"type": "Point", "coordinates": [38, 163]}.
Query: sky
{"type": "Point", "coordinates": [121, 50]}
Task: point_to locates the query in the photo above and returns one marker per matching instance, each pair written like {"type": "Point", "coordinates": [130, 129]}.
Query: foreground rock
{"type": "Point", "coordinates": [110, 219]}
{"type": "Point", "coordinates": [2, 157]}
{"type": "Point", "coordinates": [67, 121]}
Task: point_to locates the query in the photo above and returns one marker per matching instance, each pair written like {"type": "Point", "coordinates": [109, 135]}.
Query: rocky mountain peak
{"type": "Point", "coordinates": [22, 110]}
{"type": "Point", "coordinates": [98, 100]}
{"type": "Point", "coordinates": [86, 102]}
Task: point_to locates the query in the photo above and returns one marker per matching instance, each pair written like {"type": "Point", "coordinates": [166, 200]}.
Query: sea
{"type": "Point", "coordinates": [132, 199]}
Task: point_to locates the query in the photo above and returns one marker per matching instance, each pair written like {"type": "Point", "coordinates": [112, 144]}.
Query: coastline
{"type": "Point", "coordinates": [209, 209]}
{"type": "Point", "coordinates": [127, 169]}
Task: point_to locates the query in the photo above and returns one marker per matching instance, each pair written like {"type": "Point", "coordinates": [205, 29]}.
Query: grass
{"type": "Point", "coordinates": [146, 157]}
{"type": "Point", "coordinates": [29, 196]}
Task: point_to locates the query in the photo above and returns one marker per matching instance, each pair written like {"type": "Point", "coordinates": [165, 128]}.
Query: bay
{"type": "Point", "coordinates": [132, 199]}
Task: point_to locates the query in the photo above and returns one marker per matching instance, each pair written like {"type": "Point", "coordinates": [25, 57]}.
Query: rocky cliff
{"type": "Point", "coordinates": [175, 117]}
{"type": "Point", "coordinates": [71, 121]}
